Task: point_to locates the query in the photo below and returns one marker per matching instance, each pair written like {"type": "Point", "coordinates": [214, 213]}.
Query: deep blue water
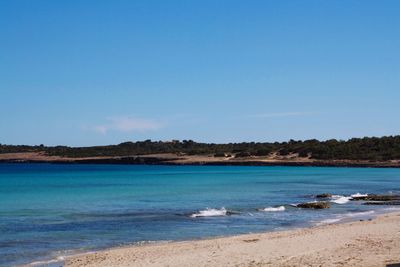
{"type": "Point", "coordinates": [52, 210]}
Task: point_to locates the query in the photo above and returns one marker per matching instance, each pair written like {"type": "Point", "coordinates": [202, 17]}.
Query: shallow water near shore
{"type": "Point", "coordinates": [49, 210]}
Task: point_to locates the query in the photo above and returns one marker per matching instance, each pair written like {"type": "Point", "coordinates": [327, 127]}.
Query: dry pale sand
{"type": "Point", "coordinates": [177, 159]}
{"type": "Point", "coordinates": [362, 243]}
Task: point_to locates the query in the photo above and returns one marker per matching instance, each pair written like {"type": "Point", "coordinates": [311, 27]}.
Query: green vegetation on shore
{"type": "Point", "coordinates": [368, 148]}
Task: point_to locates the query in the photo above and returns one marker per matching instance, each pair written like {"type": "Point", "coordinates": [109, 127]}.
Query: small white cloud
{"type": "Point", "coordinates": [281, 114]}
{"type": "Point", "coordinates": [128, 124]}
{"type": "Point", "coordinates": [101, 129]}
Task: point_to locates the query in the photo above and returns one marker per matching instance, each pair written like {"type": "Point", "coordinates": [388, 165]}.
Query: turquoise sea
{"type": "Point", "coordinates": [48, 210]}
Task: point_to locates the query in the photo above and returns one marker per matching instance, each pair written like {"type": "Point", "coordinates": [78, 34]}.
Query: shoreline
{"type": "Point", "coordinates": [372, 242]}
{"type": "Point", "coordinates": [195, 160]}
{"type": "Point", "coordinates": [249, 164]}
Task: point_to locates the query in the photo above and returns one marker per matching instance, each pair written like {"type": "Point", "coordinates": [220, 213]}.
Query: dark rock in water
{"type": "Point", "coordinates": [314, 205]}
{"type": "Point", "coordinates": [377, 198]}
{"type": "Point", "coordinates": [325, 195]}
{"type": "Point", "coordinates": [382, 203]}
{"type": "Point", "coordinates": [229, 212]}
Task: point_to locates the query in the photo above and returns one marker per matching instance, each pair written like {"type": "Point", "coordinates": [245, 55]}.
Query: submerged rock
{"type": "Point", "coordinates": [314, 205]}
{"type": "Point", "coordinates": [325, 195]}
{"type": "Point", "coordinates": [377, 198]}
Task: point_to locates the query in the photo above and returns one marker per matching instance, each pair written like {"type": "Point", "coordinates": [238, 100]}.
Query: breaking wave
{"type": "Point", "coordinates": [280, 208]}
{"type": "Point", "coordinates": [359, 195]}
{"type": "Point", "coordinates": [338, 199]}
{"type": "Point", "coordinates": [210, 213]}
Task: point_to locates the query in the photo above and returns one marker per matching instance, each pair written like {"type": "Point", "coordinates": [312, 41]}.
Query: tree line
{"type": "Point", "coordinates": [367, 148]}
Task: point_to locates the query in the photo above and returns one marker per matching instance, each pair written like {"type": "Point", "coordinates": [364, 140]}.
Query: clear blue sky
{"type": "Point", "coordinates": [101, 72]}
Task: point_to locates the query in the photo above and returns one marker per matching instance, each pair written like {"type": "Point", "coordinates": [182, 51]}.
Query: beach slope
{"type": "Point", "coordinates": [362, 243]}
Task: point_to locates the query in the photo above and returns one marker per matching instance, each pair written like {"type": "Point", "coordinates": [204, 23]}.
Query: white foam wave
{"type": "Point", "coordinates": [362, 213]}
{"type": "Point", "coordinates": [344, 217]}
{"type": "Point", "coordinates": [280, 208]}
{"type": "Point", "coordinates": [392, 209]}
{"type": "Point", "coordinates": [43, 263]}
{"type": "Point", "coordinates": [359, 195]}
{"type": "Point", "coordinates": [338, 199]}
{"type": "Point", "coordinates": [329, 221]}
{"type": "Point", "coordinates": [210, 213]}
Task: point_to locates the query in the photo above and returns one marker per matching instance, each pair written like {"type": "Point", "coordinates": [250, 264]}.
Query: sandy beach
{"type": "Point", "coordinates": [183, 159]}
{"type": "Point", "coordinates": [373, 242]}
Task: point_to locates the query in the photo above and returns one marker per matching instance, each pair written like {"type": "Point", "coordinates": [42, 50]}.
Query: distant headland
{"type": "Point", "coordinates": [355, 152]}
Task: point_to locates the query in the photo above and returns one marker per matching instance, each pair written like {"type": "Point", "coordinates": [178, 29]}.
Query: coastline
{"type": "Point", "coordinates": [373, 242]}
{"type": "Point", "coordinates": [194, 160]}
{"type": "Point", "coordinates": [135, 223]}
